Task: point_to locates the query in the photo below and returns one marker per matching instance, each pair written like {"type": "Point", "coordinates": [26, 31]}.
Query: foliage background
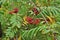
{"type": "Point", "coordinates": [12, 24]}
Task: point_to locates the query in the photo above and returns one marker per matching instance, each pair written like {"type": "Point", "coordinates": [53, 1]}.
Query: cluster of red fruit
{"type": "Point", "coordinates": [36, 12]}
{"type": "Point", "coordinates": [32, 21]}
{"type": "Point", "coordinates": [15, 10]}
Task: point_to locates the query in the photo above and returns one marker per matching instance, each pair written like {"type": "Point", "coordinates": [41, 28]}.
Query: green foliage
{"type": "Point", "coordinates": [12, 23]}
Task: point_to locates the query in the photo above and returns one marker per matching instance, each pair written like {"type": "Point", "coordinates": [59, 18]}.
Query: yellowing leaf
{"type": "Point", "coordinates": [51, 19]}
{"type": "Point", "coordinates": [37, 3]}
{"type": "Point", "coordinates": [19, 38]}
{"type": "Point", "coordinates": [24, 18]}
{"type": "Point", "coordinates": [0, 8]}
{"type": "Point", "coordinates": [25, 22]}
